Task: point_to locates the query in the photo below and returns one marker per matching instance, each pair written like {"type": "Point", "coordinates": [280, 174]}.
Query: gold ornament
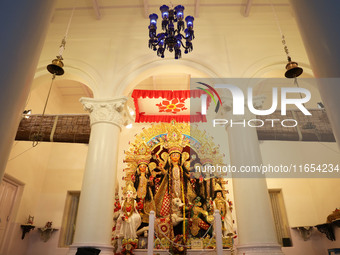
{"type": "Point", "coordinates": [175, 140]}
{"type": "Point", "coordinates": [217, 187]}
{"type": "Point", "coordinates": [129, 187]}
{"type": "Point", "coordinates": [209, 154]}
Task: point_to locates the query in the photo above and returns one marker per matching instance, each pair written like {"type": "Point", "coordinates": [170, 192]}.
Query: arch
{"type": "Point", "coordinates": [163, 66]}
{"type": "Point", "coordinates": [270, 68]}
{"type": "Point", "coordinates": [265, 66]}
{"type": "Point", "coordinates": [75, 70]}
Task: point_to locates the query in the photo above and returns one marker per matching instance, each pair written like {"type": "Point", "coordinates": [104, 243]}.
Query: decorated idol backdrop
{"type": "Point", "coordinates": [169, 171]}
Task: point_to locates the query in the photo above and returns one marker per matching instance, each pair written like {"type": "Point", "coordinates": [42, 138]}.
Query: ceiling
{"type": "Point", "coordinates": [92, 19]}
{"type": "Point", "coordinates": [97, 7]}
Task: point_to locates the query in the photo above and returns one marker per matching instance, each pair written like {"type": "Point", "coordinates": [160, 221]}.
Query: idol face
{"type": "Point", "coordinates": [175, 156]}
{"type": "Point", "coordinates": [142, 168]}
{"type": "Point", "coordinates": [129, 194]}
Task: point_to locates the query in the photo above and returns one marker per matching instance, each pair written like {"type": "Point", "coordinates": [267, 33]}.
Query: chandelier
{"type": "Point", "coordinates": [171, 37]}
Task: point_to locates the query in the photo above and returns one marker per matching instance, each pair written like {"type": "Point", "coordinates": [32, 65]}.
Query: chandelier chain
{"type": "Point", "coordinates": [63, 41]}
{"type": "Point", "coordinates": [48, 95]}
{"type": "Point", "coordinates": [283, 40]}
{"type": "Point", "coordinates": [38, 136]}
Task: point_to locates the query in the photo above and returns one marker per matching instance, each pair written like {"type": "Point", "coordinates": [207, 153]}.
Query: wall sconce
{"type": "Point", "coordinates": [320, 105]}
{"type": "Point", "coordinates": [26, 228]}
{"type": "Point", "coordinates": [26, 113]}
{"type": "Point", "coordinates": [47, 231]}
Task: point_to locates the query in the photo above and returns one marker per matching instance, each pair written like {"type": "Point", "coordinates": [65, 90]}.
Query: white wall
{"type": "Point", "coordinates": [48, 171]}
{"type": "Point", "coordinates": [317, 196]}
{"type": "Point", "coordinates": [308, 201]}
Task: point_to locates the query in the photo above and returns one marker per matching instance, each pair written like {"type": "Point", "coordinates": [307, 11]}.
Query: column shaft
{"type": "Point", "coordinates": [94, 220]}
{"type": "Point", "coordinates": [317, 21]}
{"type": "Point", "coordinates": [26, 24]}
{"type": "Point", "coordinates": [95, 212]}
{"type": "Point", "coordinates": [255, 223]}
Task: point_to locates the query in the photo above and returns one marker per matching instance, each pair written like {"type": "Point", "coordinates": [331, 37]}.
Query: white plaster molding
{"type": "Point", "coordinates": [133, 73]}
{"type": "Point", "coordinates": [77, 70]}
{"type": "Point", "coordinates": [259, 249]}
{"type": "Point", "coordinates": [111, 111]}
{"type": "Point", "coordinates": [260, 67]}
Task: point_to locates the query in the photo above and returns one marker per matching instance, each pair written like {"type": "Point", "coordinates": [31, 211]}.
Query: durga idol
{"type": "Point", "coordinates": [175, 182]}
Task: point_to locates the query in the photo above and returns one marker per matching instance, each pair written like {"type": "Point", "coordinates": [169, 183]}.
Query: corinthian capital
{"type": "Point", "coordinates": [111, 111]}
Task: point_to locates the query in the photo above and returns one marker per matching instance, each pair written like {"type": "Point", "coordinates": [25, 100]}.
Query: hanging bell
{"type": "Point", "coordinates": [56, 67]}
{"type": "Point", "coordinates": [293, 70]}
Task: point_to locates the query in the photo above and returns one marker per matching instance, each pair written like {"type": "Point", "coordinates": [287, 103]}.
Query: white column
{"type": "Point", "coordinates": [318, 23]}
{"type": "Point", "coordinates": [24, 26]}
{"type": "Point", "coordinates": [95, 212]}
{"type": "Point", "coordinates": [151, 232]}
{"type": "Point", "coordinates": [218, 231]}
{"type": "Point", "coordinates": [255, 223]}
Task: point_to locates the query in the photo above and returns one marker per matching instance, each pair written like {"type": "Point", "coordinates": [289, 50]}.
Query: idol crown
{"type": "Point", "coordinates": [175, 141]}
{"type": "Point", "coordinates": [129, 187]}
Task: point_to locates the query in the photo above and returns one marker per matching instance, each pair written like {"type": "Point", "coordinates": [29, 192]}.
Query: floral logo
{"type": "Point", "coordinates": [174, 106]}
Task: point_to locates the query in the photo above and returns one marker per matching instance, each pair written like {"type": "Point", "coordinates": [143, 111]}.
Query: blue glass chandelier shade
{"type": "Point", "coordinates": [171, 38]}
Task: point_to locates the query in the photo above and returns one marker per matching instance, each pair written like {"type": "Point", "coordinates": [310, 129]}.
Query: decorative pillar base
{"type": "Point", "coordinates": [104, 248]}
{"type": "Point", "coordinates": [259, 249]}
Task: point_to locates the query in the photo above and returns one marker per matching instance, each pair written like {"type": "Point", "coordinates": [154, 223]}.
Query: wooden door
{"type": "Point", "coordinates": [8, 193]}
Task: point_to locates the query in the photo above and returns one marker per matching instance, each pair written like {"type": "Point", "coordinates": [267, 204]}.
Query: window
{"type": "Point", "coordinates": [69, 220]}
{"type": "Point", "coordinates": [280, 218]}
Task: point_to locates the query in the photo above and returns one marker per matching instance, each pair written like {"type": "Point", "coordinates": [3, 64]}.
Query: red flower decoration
{"type": "Point", "coordinates": [128, 247]}
{"type": "Point", "coordinates": [174, 106]}
{"type": "Point", "coordinates": [140, 205]}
